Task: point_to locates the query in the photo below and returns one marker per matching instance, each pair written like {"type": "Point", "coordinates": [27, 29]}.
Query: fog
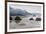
{"type": "Point", "coordinates": [24, 23]}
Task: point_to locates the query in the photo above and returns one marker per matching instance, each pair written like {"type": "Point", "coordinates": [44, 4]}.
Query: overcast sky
{"type": "Point", "coordinates": [28, 8]}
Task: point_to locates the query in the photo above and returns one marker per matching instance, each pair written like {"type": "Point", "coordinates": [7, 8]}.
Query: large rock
{"type": "Point", "coordinates": [31, 19]}
{"type": "Point", "coordinates": [38, 19]}
{"type": "Point", "coordinates": [17, 18]}
{"type": "Point", "coordinates": [10, 18]}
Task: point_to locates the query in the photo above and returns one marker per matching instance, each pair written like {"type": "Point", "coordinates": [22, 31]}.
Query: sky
{"type": "Point", "coordinates": [28, 8]}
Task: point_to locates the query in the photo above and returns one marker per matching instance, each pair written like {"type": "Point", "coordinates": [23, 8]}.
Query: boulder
{"type": "Point", "coordinates": [17, 18]}
{"type": "Point", "coordinates": [38, 19]}
{"type": "Point", "coordinates": [31, 19]}
{"type": "Point", "coordinates": [10, 18]}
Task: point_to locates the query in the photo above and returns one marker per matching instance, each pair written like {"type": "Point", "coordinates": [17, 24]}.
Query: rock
{"type": "Point", "coordinates": [10, 18]}
{"type": "Point", "coordinates": [38, 19]}
{"type": "Point", "coordinates": [17, 18]}
{"type": "Point", "coordinates": [31, 19]}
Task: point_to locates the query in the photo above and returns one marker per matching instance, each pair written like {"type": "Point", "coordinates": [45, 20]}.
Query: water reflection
{"type": "Point", "coordinates": [17, 21]}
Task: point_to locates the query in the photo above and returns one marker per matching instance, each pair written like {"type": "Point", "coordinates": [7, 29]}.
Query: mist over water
{"type": "Point", "coordinates": [25, 13]}
{"type": "Point", "coordinates": [24, 23]}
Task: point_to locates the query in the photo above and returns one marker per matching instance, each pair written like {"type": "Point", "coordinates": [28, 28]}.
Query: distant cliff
{"type": "Point", "coordinates": [18, 12]}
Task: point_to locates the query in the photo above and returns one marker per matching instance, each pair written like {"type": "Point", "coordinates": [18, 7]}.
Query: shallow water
{"type": "Point", "coordinates": [24, 23]}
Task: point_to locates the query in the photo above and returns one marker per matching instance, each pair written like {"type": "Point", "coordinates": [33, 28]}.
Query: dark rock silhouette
{"type": "Point", "coordinates": [31, 19]}
{"type": "Point", "coordinates": [38, 19]}
{"type": "Point", "coordinates": [10, 18]}
{"type": "Point", "coordinates": [17, 18]}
